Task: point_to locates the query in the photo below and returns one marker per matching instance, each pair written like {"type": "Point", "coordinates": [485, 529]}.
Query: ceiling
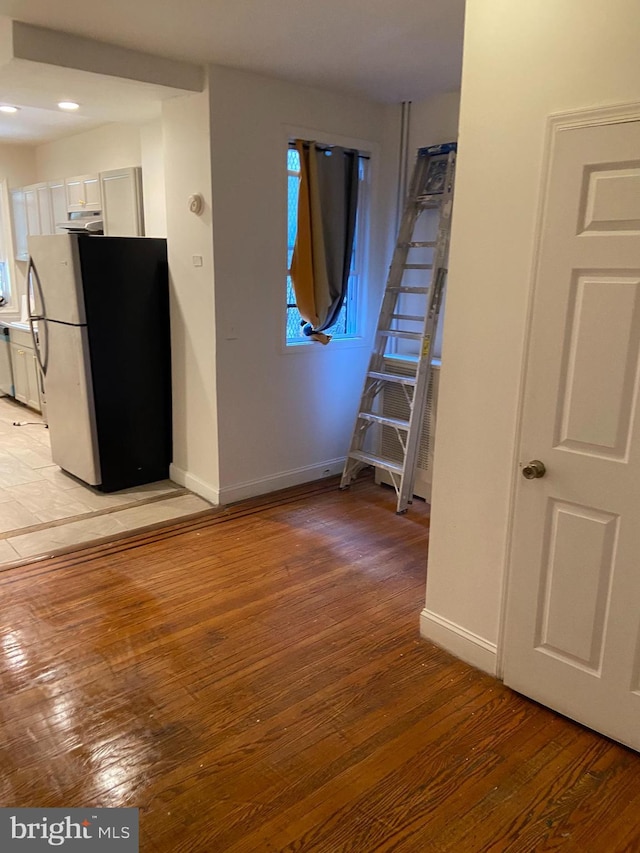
{"type": "Point", "coordinates": [38, 88]}
{"type": "Point", "coordinates": [386, 50]}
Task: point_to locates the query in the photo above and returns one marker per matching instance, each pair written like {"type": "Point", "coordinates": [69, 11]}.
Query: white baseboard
{"type": "Point", "coordinates": [462, 643]}
{"type": "Point", "coordinates": [262, 486]}
{"type": "Point", "coordinates": [195, 484]}
{"type": "Point", "coordinates": [295, 477]}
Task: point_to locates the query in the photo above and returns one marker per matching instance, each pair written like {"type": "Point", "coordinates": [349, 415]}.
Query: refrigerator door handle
{"type": "Point", "coordinates": [42, 353]}
{"type": "Point", "coordinates": [42, 356]}
{"type": "Point", "coordinates": [32, 276]}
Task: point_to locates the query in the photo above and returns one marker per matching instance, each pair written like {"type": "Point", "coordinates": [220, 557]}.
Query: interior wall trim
{"type": "Point", "coordinates": [253, 488]}
{"type": "Point", "coordinates": [462, 643]}
{"type": "Point", "coordinates": [282, 480]}
{"type": "Point", "coordinates": [195, 484]}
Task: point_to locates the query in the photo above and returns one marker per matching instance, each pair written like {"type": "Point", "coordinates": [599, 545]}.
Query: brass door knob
{"type": "Point", "coordinates": [534, 469]}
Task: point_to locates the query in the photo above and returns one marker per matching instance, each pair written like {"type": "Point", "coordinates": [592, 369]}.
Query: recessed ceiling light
{"type": "Point", "coordinates": [68, 105]}
{"type": "Point", "coordinates": [7, 108]}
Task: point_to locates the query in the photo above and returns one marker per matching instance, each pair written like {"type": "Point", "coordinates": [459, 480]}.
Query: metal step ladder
{"type": "Point", "coordinates": [431, 189]}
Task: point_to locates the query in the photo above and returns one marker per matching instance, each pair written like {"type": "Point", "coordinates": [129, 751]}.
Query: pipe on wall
{"type": "Point", "coordinates": [403, 159]}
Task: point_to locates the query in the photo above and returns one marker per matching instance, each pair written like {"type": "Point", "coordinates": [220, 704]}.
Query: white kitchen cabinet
{"type": "Point", "coordinates": [45, 209]}
{"type": "Point", "coordinates": [20, 377]}
{"type": "Point", "coordinates": [38, 208]}
{"type": "Point", "coordinates": [83, 193]}
{"type": "Point", "coordinates": [33, 210]}
{"type": "Point", "coordinates": [58, 194]}
{"type": "Point", "coordinates": [25, 376]}
{"type": "Point", "coordinates": [26, 372]}
{"type": "Point", "coordinates": [20, 231]}
{"type": "Point", "coordinates": [37, 216]}
{"type": "Point", "coordinates": [121, 191]}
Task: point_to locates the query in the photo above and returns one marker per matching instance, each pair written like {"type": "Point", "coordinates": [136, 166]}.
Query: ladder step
{"type": "Point", "coordinates": [419, 244]}
{"type": "Point", "coordinates": [377, 461]}
{"type": "Point", "coordinates": [411, 318]}
{"type": "Point", "coordinates": [400, 333]}
{"type": "Point", "coordinates": [392, 377]}
{"type": "Point", "coordinates": [408, 289]}
{"type": "Point", "coordinates": [418, 266]}
{"type": "Point", "coordinates": [434, 198]}
{"type": "Point", "coordinates": [399, 423]}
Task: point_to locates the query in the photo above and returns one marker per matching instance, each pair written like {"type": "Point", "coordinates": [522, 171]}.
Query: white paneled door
{"type": "Point", "coordinates": [573, 615]}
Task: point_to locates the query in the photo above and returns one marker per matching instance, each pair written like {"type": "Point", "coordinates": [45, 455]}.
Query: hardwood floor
{"type": "Point", "coordinates": [253, 680]}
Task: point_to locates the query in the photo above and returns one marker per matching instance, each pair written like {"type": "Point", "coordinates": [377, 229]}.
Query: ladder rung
{"type": "Point", "coordinates": [400, 333]}
{"type": "Point", "coordinates": [419, 244]}
{"type": "Point", "coordinates": [412, 318]}
{"type": "Point", "coordinates": [408, 289]}
{"type": "Point", "coordinates": [392, 377]}
{"type": "Point", "coordinates": [400, 423]}
{"type": "Point", "coordinates": [418, 266]}
{"type": "Point", "coordinates": [434, 198]}
{"type": "Point", "coordinates": [377, 461]}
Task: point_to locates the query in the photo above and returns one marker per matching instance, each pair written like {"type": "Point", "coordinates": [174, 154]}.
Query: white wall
{"type": "Point", "coordinates": [17, 164]}
{"type": "Point", "coordinates": [283, 417]}
{"type": "Point", "coordinates": [153, 183]}
{"type": "Point", "coordinates": [111, 146]}
{"type": "Point", "coordinates": [434, 121]}
{"type": "Point", "coordinates": [187, 157]}
{"type": "Point", "coordinates": [522, 61]}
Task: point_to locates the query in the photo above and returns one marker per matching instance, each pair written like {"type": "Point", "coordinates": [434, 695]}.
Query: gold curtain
{"type": "Point", "coordinates": [308, 263]}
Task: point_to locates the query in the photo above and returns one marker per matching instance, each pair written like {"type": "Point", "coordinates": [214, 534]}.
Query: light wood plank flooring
{"type": "Point", "coordinates": [43, 510]}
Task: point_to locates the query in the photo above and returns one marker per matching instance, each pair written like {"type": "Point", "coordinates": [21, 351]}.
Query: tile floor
{"type": "Point", "coordinates": [42, 509]}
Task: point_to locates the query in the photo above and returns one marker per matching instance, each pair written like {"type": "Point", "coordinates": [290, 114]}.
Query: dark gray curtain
{"type": "Point", "coordinates": [337, 173]}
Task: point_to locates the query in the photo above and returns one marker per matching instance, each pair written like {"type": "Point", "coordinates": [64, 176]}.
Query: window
{"type": "Point", "coordinates": [5, 243]}
{"type": "Point", "coordinates": [347, 325]}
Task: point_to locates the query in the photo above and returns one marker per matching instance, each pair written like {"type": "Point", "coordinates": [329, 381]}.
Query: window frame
{"type": "Point", "coordinates": [360, 294]}
{"type": "Point", "coordinates": [6, 246]}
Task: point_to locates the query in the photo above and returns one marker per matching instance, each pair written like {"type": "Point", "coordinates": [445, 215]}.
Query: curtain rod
{"type": "Point", "coordinates": [328, 148]}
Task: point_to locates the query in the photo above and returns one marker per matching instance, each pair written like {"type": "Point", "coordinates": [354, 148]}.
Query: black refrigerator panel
{"type": "Point", "coordinates": [126, 292]}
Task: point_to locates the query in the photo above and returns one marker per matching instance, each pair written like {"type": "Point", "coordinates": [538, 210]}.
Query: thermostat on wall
{"type": "Point", "coordinates": [196, 204]}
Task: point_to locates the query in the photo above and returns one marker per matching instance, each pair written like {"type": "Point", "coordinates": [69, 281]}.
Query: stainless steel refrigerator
{"type": "Point", "coordinates": [101, 308]}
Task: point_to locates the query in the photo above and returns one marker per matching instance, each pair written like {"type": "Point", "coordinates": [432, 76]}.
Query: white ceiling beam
{"type": "Point", "coordinates": [51, 47]}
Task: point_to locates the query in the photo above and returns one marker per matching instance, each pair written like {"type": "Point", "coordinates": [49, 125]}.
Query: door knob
{"type": "Point", "coordinates": [533, 470]}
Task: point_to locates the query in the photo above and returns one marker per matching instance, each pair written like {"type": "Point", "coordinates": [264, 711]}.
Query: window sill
{"type": "Point", "coordinates": [354, 342]}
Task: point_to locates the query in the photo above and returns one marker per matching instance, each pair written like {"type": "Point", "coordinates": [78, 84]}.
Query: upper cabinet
{"type": "Point", "coordinates": [20, 232]}
{"type": "Point", "coordinates": [33, 211]}
{"type": "Point", "coordinates": [40, 208]}
{"type": "Point", "coordinates": [83, 193]}
{"type": "Point", "coordinates": [58, 196]}
{"type": "Point", "coordinates": [121, 191]}
{"type": "Point", "coordinates": [46, 221]}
